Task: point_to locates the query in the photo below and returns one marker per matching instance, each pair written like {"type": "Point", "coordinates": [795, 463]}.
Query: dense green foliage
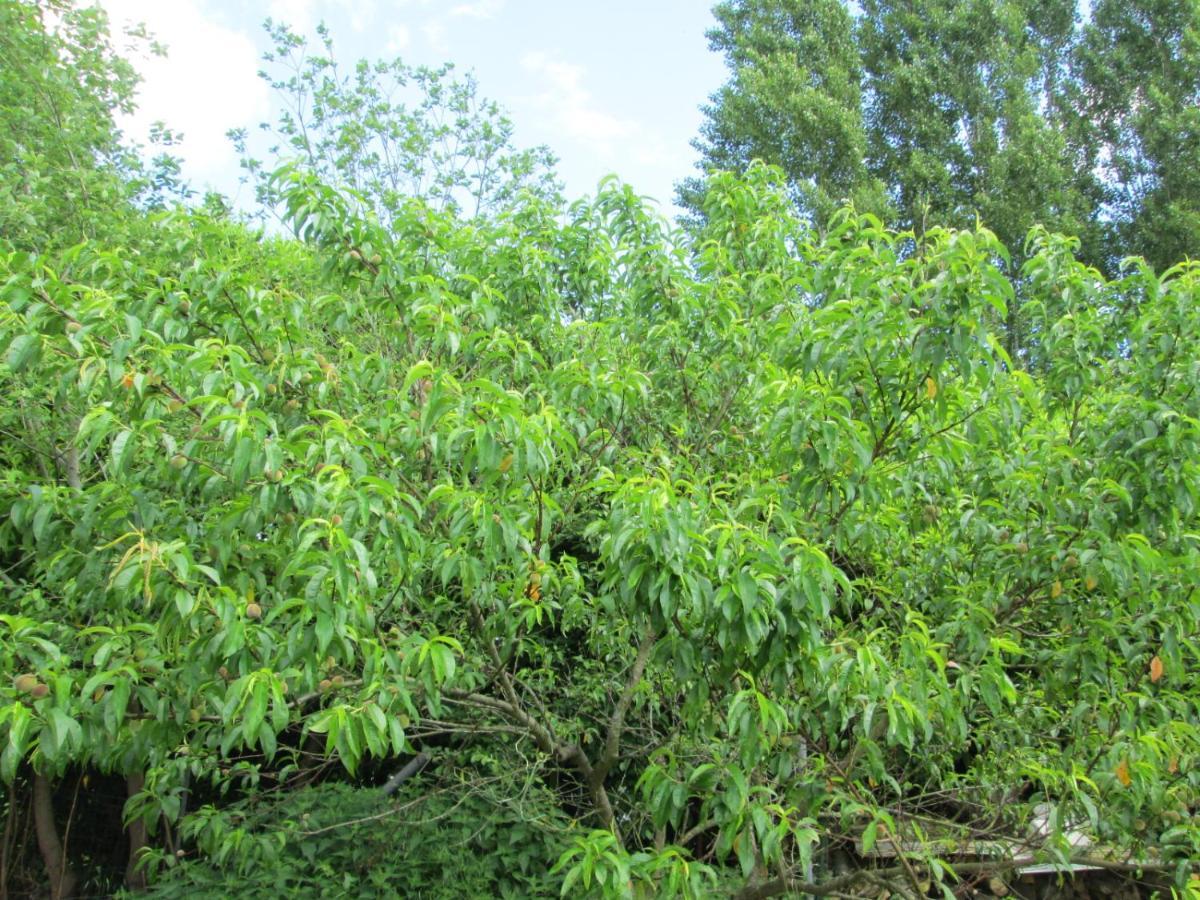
{"type": "Point", "coordinates": [65, 174]}
{"type": "Point", "coordinates": [459, 840]}
{"type": "Point", "coordinates": [794, 98]}
{"type": "Point", "coordinates": [1139, 64]}
{"type": "Point", "coordinates": [695, 564]}
{"type": "Point", "coordinates": [1078, 117]}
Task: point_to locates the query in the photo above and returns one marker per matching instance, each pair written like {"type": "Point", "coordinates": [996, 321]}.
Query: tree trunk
{"type": "Point", "coordinates": [62, 877]}
{"type": "Point", "coordinates": [6, 849]}
{"type": "Point", "coordinates": [135, 878]}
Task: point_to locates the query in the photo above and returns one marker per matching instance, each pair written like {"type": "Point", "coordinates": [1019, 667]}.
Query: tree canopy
{"type": "Point", "coordinates": [1077, 117]}
{"type": "Point", "coordinates": [551, 550]}
{"type": "Point", "coordinates": [391, 133]}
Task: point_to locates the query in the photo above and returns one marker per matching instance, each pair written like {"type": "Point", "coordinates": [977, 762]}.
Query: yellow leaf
{"type": "Point", "coordinates": [931, 388]}
{"type": "Point", "coordinates": [1122, 773]}
{"type": "Point", "coordinates": [1173, 765]}
{"type": "Point", "coordinates": [506, 463]}
{"type": "Point", "coordinates": [1156, 669]}
{"type": "Point", "coordinates": [1056, 590]}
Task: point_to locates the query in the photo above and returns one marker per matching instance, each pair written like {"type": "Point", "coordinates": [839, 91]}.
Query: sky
{"type": "Point", "coordinates": [610, 88]}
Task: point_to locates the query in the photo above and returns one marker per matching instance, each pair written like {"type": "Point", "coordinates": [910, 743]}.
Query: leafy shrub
{"type": "Point", "coordinates": [335, 840]}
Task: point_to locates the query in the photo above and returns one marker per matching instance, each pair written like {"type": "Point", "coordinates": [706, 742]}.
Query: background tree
{"type": "Point", "coordinates": [959, 110]}
{"type": "Point", "coordinates": [1139, 65]}
{"type": "Point", "coordinates": [60, 153]}
{"type": "Point", "coordinates": [794, 98]}
{"type": "Point", "coordinates": [1021, 113]}
{"type": "Point", "coordinates": [965, 121]}
{"type": "Point", "coordinates": [66, 173]}
{"type": "Point", "coordinates": [392, 133]}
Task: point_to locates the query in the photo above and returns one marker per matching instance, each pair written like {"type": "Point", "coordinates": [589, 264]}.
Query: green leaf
{"type": "Point", "coordinates": [868, 837]}
{"type": "Point", "coordinates": [23, 351]}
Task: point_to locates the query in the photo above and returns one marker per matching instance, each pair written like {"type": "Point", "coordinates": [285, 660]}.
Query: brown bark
{"type": "Point", "coordinates": [72, 463]}
{"type": "Point", "coordinates": [6, 849]}
{"type": "Point", "coordinates": [135, 878]}
{"type": "Point", "coordinates": [61, 877]}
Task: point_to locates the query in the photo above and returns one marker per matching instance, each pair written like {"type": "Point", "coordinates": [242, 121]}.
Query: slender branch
{"type": "Point", "coordinates": [616, 723]}
{"type": "Point", "coordinates": [162, 386]}
{"type": "Point", "coordinates": [262, 358]}
{"type": "Point", "coordinates": [695, 831]}
{"type": "Point", "coordinates": [564, 754]}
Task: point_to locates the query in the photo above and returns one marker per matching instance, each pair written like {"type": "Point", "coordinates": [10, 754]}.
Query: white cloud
{"type": "Point", "coordinates": [570, 104]}
{"type": "Point", "coordinates": [435, 35]}
{"type": "Point", "coordinates": [303, 15]}
{"type": "Point", "coordinates": [190, 90]}
{"type": "Point", "coordinates": [360, 13]}
{"type": "Point", "coordinates": [653, 152]}
{"type": "Point", "coordinates": [398, 39]}
{"type": "Point", "coordinates": [481, 9]}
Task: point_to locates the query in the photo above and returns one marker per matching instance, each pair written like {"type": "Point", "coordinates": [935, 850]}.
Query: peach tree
{"type": "Point", "coordinates": [739, 561]}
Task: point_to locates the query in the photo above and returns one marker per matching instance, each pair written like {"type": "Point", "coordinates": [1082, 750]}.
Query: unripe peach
{"type": "Point", "coordinates": [25, 683]}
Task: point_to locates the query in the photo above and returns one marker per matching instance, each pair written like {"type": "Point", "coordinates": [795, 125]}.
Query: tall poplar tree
{"type": "Point", "coordinates": [794, 99]}
{"type": "Point", "coordinates": [962, 112]}
{"type": "Point", "coordinates": [1085, 119]}
{"type": "Point", "coordinates": [1139, 67]}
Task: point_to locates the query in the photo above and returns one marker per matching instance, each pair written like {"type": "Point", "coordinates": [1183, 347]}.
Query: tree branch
{"type": "Point", "coordinates": [616, 723]}
{"type": "Point", "coordinates": [411, 768]}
